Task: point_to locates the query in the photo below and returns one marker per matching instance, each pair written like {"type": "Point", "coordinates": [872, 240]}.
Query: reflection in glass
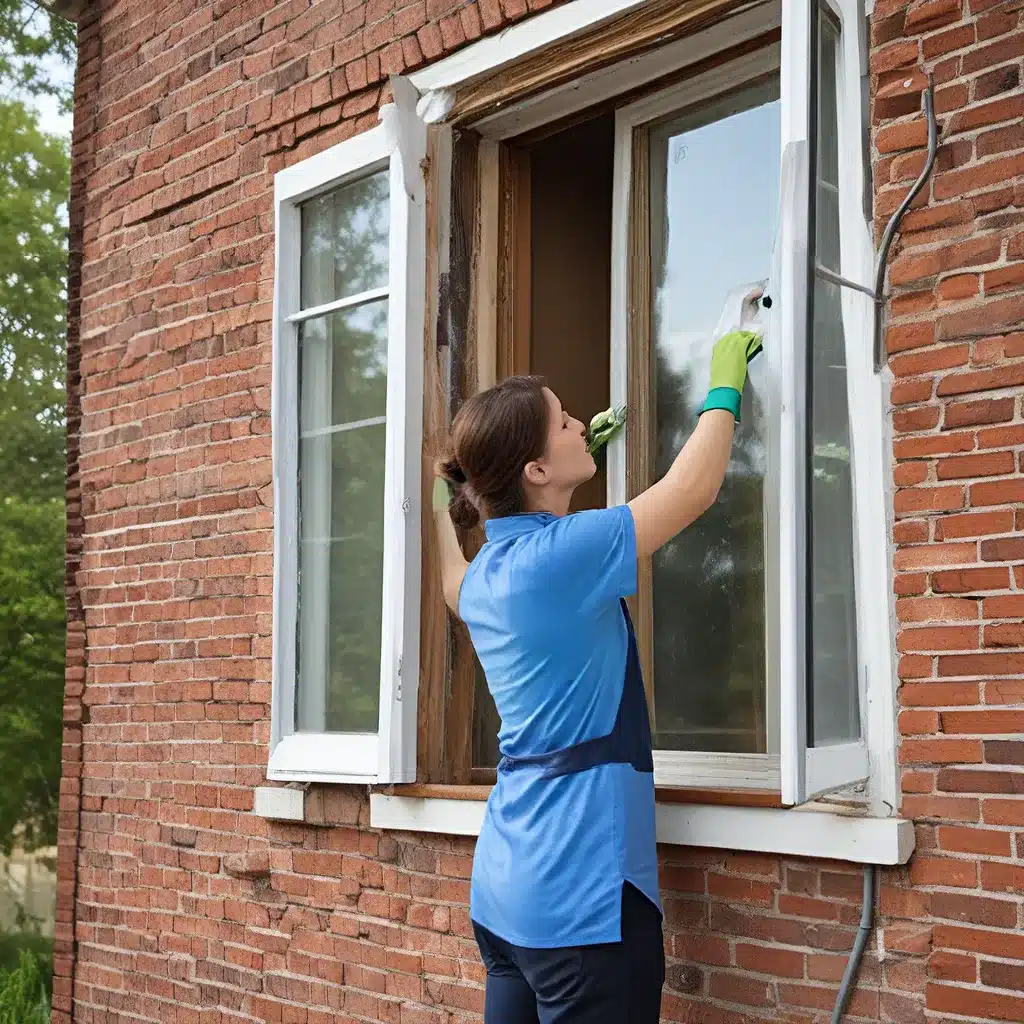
{"type": "Point", "coordinates": [835, 712]}
{"type": "Point", "coordinates": [345, 241]}
{"type": "Point", "coordinates": [351, 346]}
{"type": "Point", "coordinates": [714, 199]}
{"type": "Point", "coordinates": [341, 557]}
{"type": "Point", "coordinates": [342, 403]}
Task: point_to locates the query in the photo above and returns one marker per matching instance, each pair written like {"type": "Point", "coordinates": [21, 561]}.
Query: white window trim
{"type": "Point", "coordinates": [808, 770]}
{"type": "Point", "coordinates": [793, 832]}
{"type": "Point", "coordinates": [398, 144]}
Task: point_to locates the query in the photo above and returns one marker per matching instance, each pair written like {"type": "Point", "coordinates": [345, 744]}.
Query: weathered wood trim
{"type": "Point", "coordinates": [434, 629]}
{"type": "Point", "coordinates": [481, 790]}
{"type": "Point", "coordinates": [463, 382]}
{"type": "Point", "coordinates": [640, 431]}
{"type": "Point", "coordinates": [652, 24]}
{"type": "Point", "coordinates": [514, 261]}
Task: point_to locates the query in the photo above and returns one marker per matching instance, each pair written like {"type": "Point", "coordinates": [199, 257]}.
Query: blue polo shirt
{"type": "Point", "coordinates": [542, 604]}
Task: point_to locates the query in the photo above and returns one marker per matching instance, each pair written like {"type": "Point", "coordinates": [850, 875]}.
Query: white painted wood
{"type": "Point", "coordinates": [492, 53]}
{"type": "Point", "coordinates": [399, 144]}
{"type": "Point", "coordinates": [629, 74]}
{"type": "Point", "coordinates": [702, 770]}
{"type": "Point", "coordinates": [279, 803]}
{"type": "Point", "coordinates": [796, 832]}
{"type": "Point", "coordinates": [325, 757]}
{"type": "Point", "coordinates": [868, 399]}
{"type": "Point", "coordinates": [349, 302]}
{"type": "Point", "coordinates": [400, 632]}
{"type": "Point", "coordinates": [284, 403]}
{"type": "Point", "coordinates": [416, 814]}
{"type": "Point", "coordinates": [788, 326]}
{"type": "Point", "coordinates": [357, 157]}
{"type": "Point", "coordinates": [833, 767]}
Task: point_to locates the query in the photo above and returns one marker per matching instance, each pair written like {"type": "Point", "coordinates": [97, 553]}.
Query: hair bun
{"type": "Point", "coordinates": [451, 470]}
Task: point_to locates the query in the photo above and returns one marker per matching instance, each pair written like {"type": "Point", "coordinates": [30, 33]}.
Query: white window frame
{"type": "Point", "coordinates": [398, 144]}
{"type": "Point", "coordinates": [798, 771]}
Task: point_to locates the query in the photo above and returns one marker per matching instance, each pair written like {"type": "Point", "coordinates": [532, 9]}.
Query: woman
{"type": "Point", "coordinates": [564, 896]}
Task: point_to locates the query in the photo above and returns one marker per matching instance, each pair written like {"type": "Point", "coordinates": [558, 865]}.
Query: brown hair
{"type": "Point", "coordinates": [495, 434]}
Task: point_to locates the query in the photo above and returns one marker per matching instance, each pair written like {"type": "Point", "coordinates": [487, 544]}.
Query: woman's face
{"type": "Point", "coordinates": [566, 463]}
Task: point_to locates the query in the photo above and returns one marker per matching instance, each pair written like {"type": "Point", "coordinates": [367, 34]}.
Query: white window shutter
{"type": "Point", "coordinates": [808, 771]}
{"type": "Point", "coordinates": [789, 328]}
{"type": "Point", "coordinates": [407, 141]}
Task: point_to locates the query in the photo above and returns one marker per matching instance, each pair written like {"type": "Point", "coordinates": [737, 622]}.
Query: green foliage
{"type": "Point", "coordinates": [33, 267]}
{"type": "Point", "coordinates": [23, 995]}
{"type": "Point", "coordinates": [14, 945]}
{"type": "Point", "coordinates": [34, 175]}
{"type": "Point", "coordinates": [36, 48]}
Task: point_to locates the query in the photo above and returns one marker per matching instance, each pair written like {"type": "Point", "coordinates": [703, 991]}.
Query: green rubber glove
{"type": "Point", "coordinates": [729, 359]}
{"type": "Point", "coordinates": [442, 495]}
{"type": "Point", "coordinates": [604, 426]}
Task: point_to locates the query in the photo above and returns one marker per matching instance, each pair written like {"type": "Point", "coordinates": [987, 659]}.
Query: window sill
{"type": "Point", "coordinates": [795, 832]}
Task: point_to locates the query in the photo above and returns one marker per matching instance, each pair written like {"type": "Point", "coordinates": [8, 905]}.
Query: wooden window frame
{"type": "Point", "coordinates": [611, 66]}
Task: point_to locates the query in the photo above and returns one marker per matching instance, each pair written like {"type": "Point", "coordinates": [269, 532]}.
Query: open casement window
{"type": "Point", "coordinates": [347, 429]}
{"type": "Point", "coordinates": [748, 622]}
{"type": "Point", "coordinates": [618, 231]}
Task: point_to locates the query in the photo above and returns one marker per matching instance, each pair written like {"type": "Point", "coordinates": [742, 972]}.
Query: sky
{"type": "Point", "coordinates": [722, 188]}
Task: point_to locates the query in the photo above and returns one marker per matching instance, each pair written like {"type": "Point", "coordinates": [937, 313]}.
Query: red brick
{"type": "Point", "coordinates": [907, 392]}
{"type": "Point", "coordinates": [981, 664]}
{"type": "Point", "coordinates": [770, 960]}
{"type": "Point", "coordinates": [978, 780]}
{"type": "Point", "coordinates": [1003, 812]}
{"type": "Point", "coordinates": [974, 524]}
{"type": "Point", "coordinates": [947, 42]}
{"type": "Point", "coordinates": [994, 464]}
{"type": "Point", "coordinates": [973, 909]}
{"type": "Point", "coordinates": [977, 940]}
{"type": "Point", "coordinates": [1010, 277]}
{"type": "Point", "coordinates": [960, 839]}
{"type": "Point", "coordinates": [947, 966]}
{"type": "Point", "coordinates": [948, 808]}
{"type": "Point", "coordinates": [1008, 634]}
{"type": "Point", "coordinates": [965, 581]}
{"type": "Point", "coordinates": [938, 694]}
{"type": "Point", "coordinates": [995, 53]}
{"type": "Point", "coordinates": [940, 751]}
{"type": "Point", "coordinates": [971, 1002]}
{"type": "Point", "coordinates": [914, 501]}
{"type": "Point", "coordinates": [952, 184]}
{"type": "Point", "coordinates": [943, 871]}
{"type": "Point", "coordinates": [916, 363]}
{"type": "Point", "coordinates": [1008, 878]}
{"type": "Point", "coordinates": [966, 414]}
{"type": "Point", "coordinates": [918, 723]}
{"type": "Point", "coordinates": [937, 638]}
{"type": "Point", "coordinates": [923, 418]}
{"type": "Point", "coordinates": [743, 890]}
{"type": "Point", "coordinates": [932, 14]}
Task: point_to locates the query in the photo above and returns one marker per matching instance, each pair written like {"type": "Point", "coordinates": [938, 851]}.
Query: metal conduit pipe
{"type": "Point", "coordinates": [867, 915]}
{"type": "Point", "coordinates": [894, 222]}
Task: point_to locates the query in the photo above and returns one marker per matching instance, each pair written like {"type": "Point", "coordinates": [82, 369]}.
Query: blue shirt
{"type": "Point", "coordinates": [542, 604]}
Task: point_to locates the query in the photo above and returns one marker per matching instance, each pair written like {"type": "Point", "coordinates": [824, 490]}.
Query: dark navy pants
{"type": "Point", "coordinates": [613, 983]}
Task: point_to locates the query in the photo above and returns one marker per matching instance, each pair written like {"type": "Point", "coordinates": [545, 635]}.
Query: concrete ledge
{"type": "Point", "coordinates": [797, 832]}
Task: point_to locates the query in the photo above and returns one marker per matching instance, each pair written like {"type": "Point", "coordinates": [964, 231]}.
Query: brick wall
{"type": "Point", "coordinates": [956, 343]}
{"type": "Point", "coordinates": [189, 909]}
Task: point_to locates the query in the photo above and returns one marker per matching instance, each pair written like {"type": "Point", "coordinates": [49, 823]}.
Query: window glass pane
{"type": "Point", "coordinates": [834, 702]}
{"type": "Point", "coordinates": [352, 347]}
{"type": "Point", "coordinates": [714, 191]}
{"type": "Point", "coordinates": [345, 241]}
{"type": "Point", "coordinates": [342, 405]}
{"type": "Point", "coordinates": [341, 559]}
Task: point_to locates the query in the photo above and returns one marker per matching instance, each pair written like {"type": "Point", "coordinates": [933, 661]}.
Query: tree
{"type": "Point", "coordinates": [36, 49]}
{"type": "Point", "coordinates": [33, 265]}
